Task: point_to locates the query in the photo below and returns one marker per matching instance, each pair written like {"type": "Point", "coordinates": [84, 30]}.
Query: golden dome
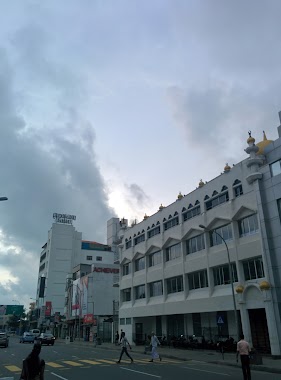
{"type": "Point", "coordinates": [250, 138]}
{"type": "Point", "coordinates": [227, 168]}
{"type": "Point", "coordinates": [264, 285]}
{"type": "Point", "coordinates": [263, 144]}
{"type": "Point", "coordinates": [145, 217]}
{"type": "Point", "coordinates": [239, 289]}
{"type": "Point", "coordinates": [201, 183]}
{"type": "Point", "coordinates": [180, 196]}
{"type": "Point", "coordinates": [161, 207]}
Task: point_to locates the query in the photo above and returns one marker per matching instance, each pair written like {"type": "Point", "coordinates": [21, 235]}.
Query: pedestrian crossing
{"type": "Point", "coordinates": [68, 364]}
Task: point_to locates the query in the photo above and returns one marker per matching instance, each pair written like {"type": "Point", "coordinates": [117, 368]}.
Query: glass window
{"type": "Point", "coordinates": [195, 244]}
{"type": "Point", "coordinates": [238, 191]}
{"type": "Point", "coordinates": [139, 239]}
{"type": "Point", "coordinates": [122, 321]}
{"type": "Point", "coordinates": [253, 268]}
{"type": "Point", "coordinates": [216, 201]}
{"type": "Point", "coordinates": [139, 292]}
{"type": "Point", "coordinates": [173, 252]}
{"type": "Point", "coordinates": [225, 232]}
{"type": "Point", "coordinates": [139, 264]}
{"type": "Point", "coordinates": [155, 258]}
{"type": "Point", "coordinates": [128, 321]}
{"type": "Point", "coordinates": [89, 258]}
{"type": "Point", "coordinates": [155, 288]}
{"type": "Point", "coordinates": [126, 295]}
{"type": "Point", "coordinates": [174, 284]}
{"type": "Point", "coordinates": [191, 213]}
{"type": "Point", "coordinates": [99, 258]}
{"type": "Point", "coordinates": [248, 225]}
{"type": "Point", "coordinates": [126, 269]}
{"type": "Point", "coordinates": [275, 168]}
{"type": "Point", "coordinates": [153, 232]}
{"type": "Point", "coordinates": [279, 207]}
{"type": "Point", "coordinates": [128, 244]}
{"type": "Point", "coordinates": [171, 223]}
{"type": "Point", "coordinates": [198, 279]}
{"type": "Point", "coordinates": [222, 275]}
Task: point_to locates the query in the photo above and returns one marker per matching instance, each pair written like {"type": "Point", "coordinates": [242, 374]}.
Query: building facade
{"type": "Point", "coordinates": [175, 274]}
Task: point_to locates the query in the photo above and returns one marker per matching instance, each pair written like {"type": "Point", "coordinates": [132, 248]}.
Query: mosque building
{"type": "Point", "coordinates": [209, 264]}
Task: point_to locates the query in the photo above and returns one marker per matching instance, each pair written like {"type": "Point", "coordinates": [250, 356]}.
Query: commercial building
{"type": "Point", "coordinates": [174, 275]}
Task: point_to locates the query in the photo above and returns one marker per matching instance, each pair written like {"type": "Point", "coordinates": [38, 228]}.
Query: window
{"type": "Point", "coordinates": [99, 258]}
{"type": "Point", "coordinates": [174, 284]}
{"type": "Point", "coordinates": [253, 268]}
{"type": "Point", "coordinates": [43, 257]}
{"type": "Point", "coordinates": [218, 200]}
{"type": "Point", "coordinates": [155, 259]}
{"type": "Point", "coordinates": [248, 225]}
{"type": "Point", "coordinates": [126, 269]}
{"type": "Point", "coordinates": [198, 279]}
{"type": "Point", "coordinates": [225, 232]}
{"type": "Point", "coordinates": [173, 252]}
{"type": "Point", "coordinates": [222, 275]}
{"type": "Point", "coordinates": [42, 267]}
{"type": "Point", "coordinates": [122, 321]}
{"type": "Point", "coordinates": [155, 289]}
{"type": "Point", "coordinates": [279, 207]}
{"type": "Point", "coordinates": [275, 168]}
{"type": "Point", "coordinates": [139, 239]}
{"type": "Point", "coordinates": [195, 244]}
{"type": "Point", "coordinates": [153, 232]}
{"type": "Point", "coordinates": [126, 295]}
{"type": "Point", "coordinates": [237, 187]}
{"type": "Point", "coordinates": [191, 213]}
{"type": "Point", "coordinates": [89, 257]}
{"type": "Point", "coordinates": [139, 264]}
{"type": "Point", "coordinates": [128, 244]}
{"type": "Point", "coordinates": [139, 292]}
{"type": "Point", "coordinates": [171, 223]}
{"type": "Point", "coordinates": [128, 321]}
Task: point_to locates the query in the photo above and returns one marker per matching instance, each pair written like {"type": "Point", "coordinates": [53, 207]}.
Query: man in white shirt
{"type": "Point", "coordinates": [124, 343]}
{"type": "Point", "coordinates": [243, 349]}
{"type": "Point", "coordinates": [154, 343]}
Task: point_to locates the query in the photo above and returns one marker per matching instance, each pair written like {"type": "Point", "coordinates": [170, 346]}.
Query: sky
{"type": "Point", "coordinates": [109, 108]}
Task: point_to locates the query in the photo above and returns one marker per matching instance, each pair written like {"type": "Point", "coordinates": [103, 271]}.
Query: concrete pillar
{"type": "Point", "coordinates": [272, 328]}
{"type": "Point", "coordinates": [246, 328]}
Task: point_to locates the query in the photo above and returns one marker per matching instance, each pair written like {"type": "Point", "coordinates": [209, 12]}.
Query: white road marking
{"type": "Point", "coordinates": [204, 370]}
{"type": "Point", "coordinates": [63, 378]}
{"type": "Point", "coordinates": [143, 373]}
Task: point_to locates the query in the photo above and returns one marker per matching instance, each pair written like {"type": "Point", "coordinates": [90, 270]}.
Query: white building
{"type": "Point", "coordinates": [174, 276]}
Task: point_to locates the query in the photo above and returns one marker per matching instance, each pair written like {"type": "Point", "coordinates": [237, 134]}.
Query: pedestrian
{"type": "Point", "coordinates": [116, 338]}
{"type": "Point", "coordinates": [33, 367]}
{"type": "Point", "coordinates": [243, 349]}
{"type": "Point", "coordinates": [124, 343]}
{"type": "Point", "coordinates": [154, 343]}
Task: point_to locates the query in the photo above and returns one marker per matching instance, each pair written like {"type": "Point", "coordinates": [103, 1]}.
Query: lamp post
{"type": "Point", "coordinates": [230, 275]}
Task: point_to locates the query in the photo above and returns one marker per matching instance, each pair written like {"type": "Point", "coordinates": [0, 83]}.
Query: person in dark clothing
{"type": "Point", "coordinates": [116, 338]}
{"type": "Point", "coordinates": [33, 367]}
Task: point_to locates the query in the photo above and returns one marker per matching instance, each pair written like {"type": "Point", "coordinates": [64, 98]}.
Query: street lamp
{"type": "Point", "coordinates": [230, 275]}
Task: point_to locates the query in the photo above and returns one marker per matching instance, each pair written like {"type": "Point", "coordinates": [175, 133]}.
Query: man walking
{"type": "Point", "coordinates": [154, 343]}
{"type": "Point", "coordinates": [243, 349]}
{"type": "Point", "coordinates": [124, 343]}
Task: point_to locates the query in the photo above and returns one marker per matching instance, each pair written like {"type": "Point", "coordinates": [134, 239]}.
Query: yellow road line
{"type": "Point", "coordinates": [54, 365]}
{"type": "Point", "coordinates": [89, 361]}
{"type": "Point", "coordinates": [106, 361]}
{"type": "Point", "coordinates": [13, 368]}
{"type": "Point", "coordinates": [74, 364]}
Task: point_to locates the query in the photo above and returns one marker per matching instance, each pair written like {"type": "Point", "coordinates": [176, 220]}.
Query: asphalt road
{"type": "Point", "coordinates": [71, 362]}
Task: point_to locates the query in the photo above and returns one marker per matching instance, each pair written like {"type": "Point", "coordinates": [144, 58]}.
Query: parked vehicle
{"type": "Point", "coordinates": [4, 339]}
{"type": "Point", "coordinates": [27, 337]}
{"type": "Point", "coordinates": [46, 338]}
{"type": "Point", "coordinates": [35, 332]}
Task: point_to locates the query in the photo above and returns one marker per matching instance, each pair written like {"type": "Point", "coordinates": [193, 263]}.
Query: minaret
{"type": "Point", "coordinates": [254, 161]}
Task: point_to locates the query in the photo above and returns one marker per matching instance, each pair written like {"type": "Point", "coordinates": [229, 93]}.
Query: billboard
{"type": "Point", "coordinates": [11, 309]}
{"type": "Point", "coordinates": [80, 297]}
{"type": "Point", "coordinates": [48, 309]}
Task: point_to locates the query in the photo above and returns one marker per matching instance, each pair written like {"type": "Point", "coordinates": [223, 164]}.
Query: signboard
{"type": "Point", "coordinates": [105, 270]}
{"type": "Point", "coordinates": [220, 320]}
{"type": "Point", "coordinates": [48, 309]}
{"type": "Point", "coordinates": [88, 318]}
{"type": "Point", "coordinates": [11, 309]}
{"type": "Point", "coordinates": [64, 218]}
{"type": "Point", "coordinates": [80, 297]}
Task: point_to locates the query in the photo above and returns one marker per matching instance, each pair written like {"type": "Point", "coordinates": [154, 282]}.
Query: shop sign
{"type": "Point", "coordinates": [106, 270]}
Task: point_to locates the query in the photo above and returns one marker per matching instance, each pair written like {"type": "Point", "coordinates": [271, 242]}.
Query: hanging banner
{"type": "Point", "coordinates": [80, 297]}
{"type": "Point", "coordinates": [48, 309]}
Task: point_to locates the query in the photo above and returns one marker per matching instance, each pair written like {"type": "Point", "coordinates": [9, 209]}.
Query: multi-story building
{"type": "Point", "coordinates": [175, 276]}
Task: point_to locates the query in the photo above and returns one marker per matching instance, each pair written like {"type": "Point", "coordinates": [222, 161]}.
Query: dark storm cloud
{"type": "Point", "coordinates": [137, 195]}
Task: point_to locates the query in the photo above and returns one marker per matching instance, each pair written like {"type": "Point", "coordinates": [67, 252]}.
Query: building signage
{"type": "Point", "coordinates": [64, 218]}
{"type": "Point", "coordinates": [106, 270]}
{"type": "Point", "coordinates": [89, 318]}
{"type": "Point", "coordinates": [48, 309]}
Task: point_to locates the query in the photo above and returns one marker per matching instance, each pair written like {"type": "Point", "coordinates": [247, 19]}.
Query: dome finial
{"type": "Point", "coordinates": [201, 183]}
{"type": "Point", "coordinates": [180, 196]}
{"type": "Point", "coordinates": [250, 138]}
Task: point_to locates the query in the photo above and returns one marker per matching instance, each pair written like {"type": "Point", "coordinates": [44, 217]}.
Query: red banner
{"type": "Point", "coordinates": [89, 318]}
{"type": "Point", "coordinates": [48, 310]}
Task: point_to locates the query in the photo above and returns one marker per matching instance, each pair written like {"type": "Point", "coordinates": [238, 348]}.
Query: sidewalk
{"type": "Point", "coordinates": [207, 356]}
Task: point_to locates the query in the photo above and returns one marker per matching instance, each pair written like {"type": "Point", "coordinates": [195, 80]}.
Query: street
{"type": "Point", "coordinates": [71, 362]}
